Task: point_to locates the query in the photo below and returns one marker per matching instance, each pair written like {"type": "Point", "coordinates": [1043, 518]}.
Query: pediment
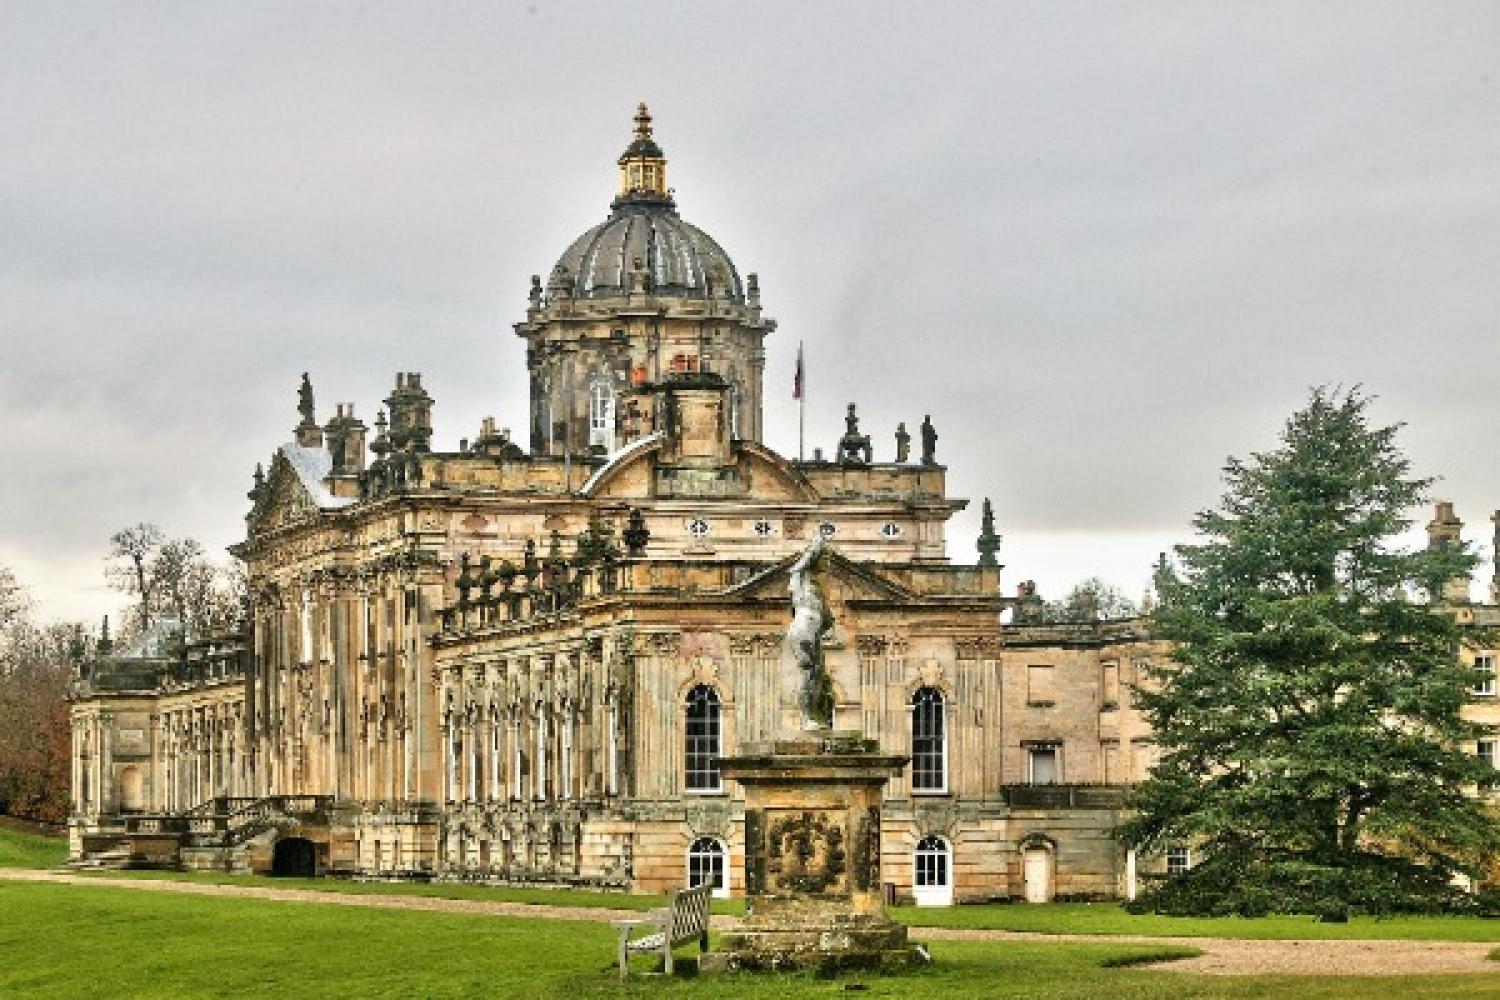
{"type": "Point", "coordinates": [758, 473]}
{"type": "Point", "coordinates": [843, 581]}
{"type": "Point", "coordinates": [286, 500]}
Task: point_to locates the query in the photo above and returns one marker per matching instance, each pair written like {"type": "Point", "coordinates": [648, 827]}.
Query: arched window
{"type": "Point", "coordinates": [932, 881]}
{"type": "Point", "coordinates": [929, 742]}
{"type": "Point", "coordinates": [701, 740]}
{"type": "Point", "coordinates": [706, 865]}
{"type": "Point", "coordinates": [736, 404]}
{"type": "Point", "coordinates": [602, 414]}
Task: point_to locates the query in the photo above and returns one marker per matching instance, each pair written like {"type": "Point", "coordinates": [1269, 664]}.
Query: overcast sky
{"type": "Point", "coordinates": [1104, 245]}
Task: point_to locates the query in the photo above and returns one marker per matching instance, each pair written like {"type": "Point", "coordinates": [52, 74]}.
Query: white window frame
{"type": "Point", "coordinates": [1484, 688]}
{"type": "Point", "coordinates": [716, 853]}
{"type": "Point", "coordinates": [700, 746]}
{"type": "Point", "coordinates": [602, 414]}
{"type": "Point", "coordinates": [932, 871]}
{"type": "Point", "coordinates": [1489, 751]}
{"type": "Point", "coordinates": [925, 711]}
{"type": "Point", "coordinates": [566, 755]}
{"type": "Point", "coordinates": [1056, 750]}
{"type": "Point", "coordinates": [1179, 859]}
{"type": "Point", "coordinates": [614, 748]}
{"type": "Point", "coordinates": [539, 775]}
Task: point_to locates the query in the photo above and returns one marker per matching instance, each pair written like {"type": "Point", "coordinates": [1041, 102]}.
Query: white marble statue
{"type": "Point", "coordinates": [811, 622]}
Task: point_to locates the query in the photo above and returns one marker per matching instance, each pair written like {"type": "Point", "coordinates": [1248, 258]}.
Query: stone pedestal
{"type": "Point", "coordinates": [812, 857]}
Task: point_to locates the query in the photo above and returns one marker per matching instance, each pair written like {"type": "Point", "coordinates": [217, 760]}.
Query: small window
{"type": "Point", "coordinates": [1485, 686]}
{"type": "Point", "coordinates": [828, 529]}
{"type": "Point", "coordinates": [764, 529]}
{"type": "Point", "coordinates": [701, 740]}
{"type": "Point", "coordinates": [929, 743]}
{"type": "Point", "coordinates": [1179, 859]}
{"type": "Point", "coordinates": [699, 528]}
{"type": "Point", "coordinates": [601, 414]}
{"type": "Point", "coordinates": [890, 530]}
{"type": "Point", "coordinates": [706, 866]}
{"type": "Point", "coordinates": [1488, 751]}
{"type": "Point", "coordinates": [1045, 766]}
{"type": "Point", "coordinates": [932, 863]}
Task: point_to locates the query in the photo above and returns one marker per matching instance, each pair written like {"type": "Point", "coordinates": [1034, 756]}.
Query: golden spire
{"type": "Point", "coordinates": [643, 166]}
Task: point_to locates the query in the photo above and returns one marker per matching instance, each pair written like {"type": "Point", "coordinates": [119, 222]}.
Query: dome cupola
{"type": "Point", "coordinates": [645, 245]}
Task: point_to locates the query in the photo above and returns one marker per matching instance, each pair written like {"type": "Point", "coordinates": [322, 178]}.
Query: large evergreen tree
{"type": "Point", "coordinates": [1313, 748]}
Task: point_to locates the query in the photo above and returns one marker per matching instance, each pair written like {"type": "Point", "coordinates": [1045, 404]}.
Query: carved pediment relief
{"type": "Point", "coordinates": [842, 581]}
{"type": "Point", "coordinates": [286, 499]}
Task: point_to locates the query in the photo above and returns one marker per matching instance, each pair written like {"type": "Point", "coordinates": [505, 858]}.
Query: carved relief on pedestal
{"type": "Point", "coordinates": [866, 849]}
{"type": "Point", "coordinates": [806, 852]}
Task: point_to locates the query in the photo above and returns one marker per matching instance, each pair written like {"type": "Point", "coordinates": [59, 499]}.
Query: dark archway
{"type": "Point", "coordinates": [294, 857]}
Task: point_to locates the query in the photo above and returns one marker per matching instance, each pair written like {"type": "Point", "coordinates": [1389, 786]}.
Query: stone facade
{"type": "Point", "coordinates": [521, 664]}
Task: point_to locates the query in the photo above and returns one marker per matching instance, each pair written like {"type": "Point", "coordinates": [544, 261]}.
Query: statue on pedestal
{"type": "Point", "coordinates": [811, 623]}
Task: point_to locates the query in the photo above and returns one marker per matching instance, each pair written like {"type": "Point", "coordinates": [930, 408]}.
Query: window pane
{"type": "Point", "coordinates": [929, 765]}
{"type": "Point", "coordinates": [701, 749]}
{"type": "Point", "coordinates": [706, 863]}
{"type": "Point", "coordinates": [1043, 765]}
{"type": "Point", "coordinates": [931, 862]}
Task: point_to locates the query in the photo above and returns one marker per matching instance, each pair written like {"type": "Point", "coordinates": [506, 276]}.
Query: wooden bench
{"type": "Point", "coordinates": [684, 918]}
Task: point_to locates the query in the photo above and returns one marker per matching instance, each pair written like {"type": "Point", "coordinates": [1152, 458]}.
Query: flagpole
{"type": "Point", "coordinates": [801, 405]}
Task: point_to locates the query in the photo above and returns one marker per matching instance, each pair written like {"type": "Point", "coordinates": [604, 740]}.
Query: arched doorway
{"type": "Point", "coordinates": [132, 789]}
{"type": "Point", "coordinates": [1036, 873]}
{"type": "Point", "coordinates": [294, 857]}
{"type": "Point", "coordinates": [933, 881]}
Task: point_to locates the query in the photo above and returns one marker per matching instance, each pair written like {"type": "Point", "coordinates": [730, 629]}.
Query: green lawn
{"type": "Point", "coordinates": [66, 940]}
{"type": "Point", "coordinates": [19, 849]}
{"type": "Point", "coordinates": [23, 850]}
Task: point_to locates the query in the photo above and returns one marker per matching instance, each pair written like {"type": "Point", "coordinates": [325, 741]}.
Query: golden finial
{"type": "Point", "coordinates": [643, 168]}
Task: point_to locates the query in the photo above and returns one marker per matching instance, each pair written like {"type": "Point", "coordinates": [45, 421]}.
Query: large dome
{"type": "Point", "coordinates": [679, 258]}
{"type": "Point", "coordinates": [644, 233]}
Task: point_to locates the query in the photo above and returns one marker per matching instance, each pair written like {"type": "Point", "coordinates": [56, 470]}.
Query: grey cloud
{"type": "Point", "coordinates": [1105, 246]}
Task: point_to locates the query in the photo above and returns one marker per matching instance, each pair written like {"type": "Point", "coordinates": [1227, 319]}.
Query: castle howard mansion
{"type": "Point", "coordinates": [520, 662]}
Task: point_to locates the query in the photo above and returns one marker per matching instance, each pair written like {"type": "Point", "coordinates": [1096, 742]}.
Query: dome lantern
{"type": "Point", "coordinates": [643, 166]}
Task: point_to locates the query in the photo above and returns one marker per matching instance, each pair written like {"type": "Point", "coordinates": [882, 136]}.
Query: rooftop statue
{"type": "Point", "coordinates": [929, 442]}
{"type": "Point", "coordinates": [811, 623]}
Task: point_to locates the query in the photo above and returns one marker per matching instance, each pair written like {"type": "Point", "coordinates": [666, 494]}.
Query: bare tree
{"type": "Point", "coordinates": [15, 602]}
{"type": "Point", "coordinates": [131, 553]}
{"type": "Point", "coordinates": [174, 576]}
{"type": "Point", "coordinates": [1092, 600]}
{"type": "Point", "coordinates": [175, 570]}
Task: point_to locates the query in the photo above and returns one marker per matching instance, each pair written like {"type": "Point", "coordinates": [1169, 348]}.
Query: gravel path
{"type": "Point", "coordinates": [1239, 957]}
{"type": "Point", "coordinates": [1221, 956]}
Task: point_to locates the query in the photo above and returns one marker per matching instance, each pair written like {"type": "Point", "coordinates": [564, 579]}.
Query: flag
{"type": "Point", "coordinates": [797, 380]}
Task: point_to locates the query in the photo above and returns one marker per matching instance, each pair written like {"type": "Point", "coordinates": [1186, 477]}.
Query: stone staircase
{"type": "Point", "coordinates": [216, 829]}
